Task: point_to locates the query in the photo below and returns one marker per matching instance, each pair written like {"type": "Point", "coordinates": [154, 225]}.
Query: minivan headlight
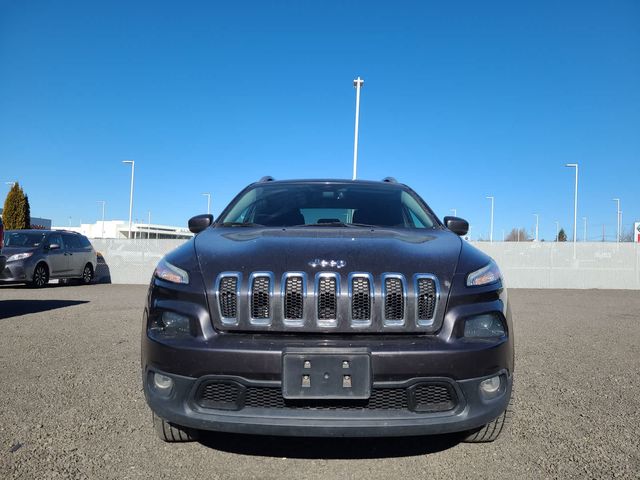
{"type": "Point", "coordinates": [19, 256]}
{"type": "Point", "coordinates": [484, 276]}
{"type": "Point", "coordinates": [171, 273]}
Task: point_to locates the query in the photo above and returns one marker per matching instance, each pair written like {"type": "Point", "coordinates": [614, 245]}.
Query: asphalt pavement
{"type": "Point", "coordinates": [71, 403]}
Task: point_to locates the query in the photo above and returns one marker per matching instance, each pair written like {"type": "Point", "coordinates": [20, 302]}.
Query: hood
{"type": "Point", "coordinates": [303, 249]}
{"type": "Point", "coordinates": [8, 251]}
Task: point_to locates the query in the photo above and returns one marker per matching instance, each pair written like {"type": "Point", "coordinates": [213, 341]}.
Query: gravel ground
{"type": "Point", "coordinates": [72, 404]}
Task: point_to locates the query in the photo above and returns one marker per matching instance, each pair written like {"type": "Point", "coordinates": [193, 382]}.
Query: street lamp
{"type": "Point", "coordinates": [133, 166]}
{"type": "Point", "coordinates": [617, 200]}
{"type": "Point", "coordinates": [103, 204]}
{"type": "Point", "coordinates": [557, 231]}
{"type": "Point", "coordinates": [208, 195]}
{"type": "Point", "coordinates": [358, 83]}
{"type": "Point", "coordinates": [455, 212]}
{"type": "Point", "coordinates": [491, 230]}
{"type": "Point", "coordinates": [584, 234]}
{"type": "Point", "coordinates": [537, 221]}
{"type": "Point", "coordinates": [575, 207]}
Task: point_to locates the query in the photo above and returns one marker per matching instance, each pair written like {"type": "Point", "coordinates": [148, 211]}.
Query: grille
{"type": "Point", "coordinates": [433, 397]}
{"type": "Point", "coordinates": [260, 307]}
{"type": "Point", "coordinates": [423, 397]}
{"type": "Point", "coordinates": [228, 297]}
{"type": "Point", "coordinates": [394, 299]}
{"type": "Point", "coordinates": [327, 304]}
{"type": "Point", "coordinates": [293, 298]}
{"type": "Point", "coordinates": [426, 298]}
{"type": "Point", "coordinates": [360, 299]}
{"type": "Point", "coordinates": [221, 396]}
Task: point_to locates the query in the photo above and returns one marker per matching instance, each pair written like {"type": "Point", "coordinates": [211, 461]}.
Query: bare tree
{"type": "Point", "coordinates": [517, 235]}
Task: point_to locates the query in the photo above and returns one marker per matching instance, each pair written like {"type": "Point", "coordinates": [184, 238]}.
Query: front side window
{"type": "Point", "coordinates": [288, 205]}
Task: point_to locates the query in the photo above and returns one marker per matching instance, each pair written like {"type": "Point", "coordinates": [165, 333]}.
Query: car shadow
{"type": "Point", "coordinates": [103, 272]}
{"type": "Point", "coordinates": [312, 448]}
{"type": "Point", "coordinates": [15, 308]}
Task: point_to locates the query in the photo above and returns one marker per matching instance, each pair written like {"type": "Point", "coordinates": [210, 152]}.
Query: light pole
{"type": "Point", "coordinates": [133, 166]}
{"type": "Point", "coordinates": [358, 83]}
{"type": "Point", "coordinates": [103, 204]}
{"type": "Point", "coordinates": [149, 225]}
{"type": "Point", "coordinates": [537, 222]}
{"type": "Point", "coordinates": [617, 200]}
{"type": "Point", "coordinates": [455, 212]}
{"type": "Point", "coordinates": [491, 230]}
{"type": "Point", "coordinates": [584, 233]}
{"type": "Point", "coordinates": [557, 231]}
{"type": "Point", "coordinates": [575, 207]}
{"type": "Point", "coordinates": [208, 195]}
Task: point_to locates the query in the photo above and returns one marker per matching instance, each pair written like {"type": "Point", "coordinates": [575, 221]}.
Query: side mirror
{"type": "Point", "coordinates": [54, 246]}
{"type": "Point", "coordinates": [457, 225]}
{"type": "Point", "coordinates": [200, 222]}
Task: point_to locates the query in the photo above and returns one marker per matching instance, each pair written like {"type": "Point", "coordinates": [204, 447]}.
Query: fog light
{"type": "Point", "coordinates": [491, 386]}
{"type": "Point", "coordinates": [162, 382]}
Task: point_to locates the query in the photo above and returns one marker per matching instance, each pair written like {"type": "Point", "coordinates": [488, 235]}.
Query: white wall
{"type": "Point", "coordinates": [524, 264]}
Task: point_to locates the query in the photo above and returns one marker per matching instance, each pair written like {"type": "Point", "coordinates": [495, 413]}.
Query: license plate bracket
{"type": "Point", "coordinates": [326, 376]}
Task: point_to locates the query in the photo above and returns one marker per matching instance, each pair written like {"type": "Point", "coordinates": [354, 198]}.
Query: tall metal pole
{"type": "Point", "coordinates": [491, 230]}
{"type": "Point", "coordinates": [537, 222]}
{"type": "Point", "coordinates": [103, 203]}
{"type": "Point", "coordinates": [149, 226]}
{"type": "Point", "coordinates": [617, 200]}
{"type": "Point", "coordinates": [575, 208]}
{"type": "Point", "coordinates": [557, 231]}
{"type": "Point", "coordinates": [584, 234]}
{"type": "Point", "coordinates": [455, 212]}
{"type": "Point", "coordinates": [208, 195]}
{"type": "Point", "coordinates": [358, 83]}
{"type": "Point", "coordinates": [133, 166]}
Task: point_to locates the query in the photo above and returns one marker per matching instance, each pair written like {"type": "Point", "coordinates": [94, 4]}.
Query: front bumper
{"type": "Point", "coordinates": [16, 272]}
{"type": "Point", "coordinates": [396, 362]}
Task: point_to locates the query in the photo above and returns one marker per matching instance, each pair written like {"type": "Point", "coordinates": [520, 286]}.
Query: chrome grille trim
{"type": "Point", "coordinates": [260, 320]}
{"type": "Point", "coordinates": [427, 321]}
{"type": "Point", "coordinates": [331, 317]}
{"type": "Point", "coordinates": [354, 319]}
{"type": "Point", "coordinates": [394, 321]}
{"type": "Point", "coordinates": [231, 321]}
{"type": "Point", "coordinates": [287, 318]}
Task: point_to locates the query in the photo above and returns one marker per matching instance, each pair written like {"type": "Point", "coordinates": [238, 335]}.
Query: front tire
{"type": "Point", "coordinates": [40, 276]}
{"type": "Point", "coordinates": [491, 431]}
{"type": "Point", "coordinates": [172, 433]}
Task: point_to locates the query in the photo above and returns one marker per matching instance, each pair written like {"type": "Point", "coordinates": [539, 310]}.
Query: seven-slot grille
{"type": "Point", "coordinates": [372, 304]}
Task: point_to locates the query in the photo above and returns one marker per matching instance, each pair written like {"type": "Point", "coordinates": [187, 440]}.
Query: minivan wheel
{"type": "Point", "coordinates": [87, 274]}
{"type": "Point", "coordinates": [170, 432]}
{"type": "Point", "coordinates": [40, 276]}
{"type": "Point", "coordinates": [491, 431]}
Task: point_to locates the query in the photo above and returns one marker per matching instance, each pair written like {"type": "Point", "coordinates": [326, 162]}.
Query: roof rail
{"type": "Point", "coordinates": [266, 178]}
{"type": "Point", "coordinates": [389, 180]}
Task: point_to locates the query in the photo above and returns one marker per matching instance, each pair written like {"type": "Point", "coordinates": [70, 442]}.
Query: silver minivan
{"type": "Point", "coordinates": [36, 256]}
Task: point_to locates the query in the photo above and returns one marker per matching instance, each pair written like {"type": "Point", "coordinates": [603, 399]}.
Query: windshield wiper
{"type": "Point", "coordinates": [240, 224]}
{"type": "Point", "coordinates": [337, 224]}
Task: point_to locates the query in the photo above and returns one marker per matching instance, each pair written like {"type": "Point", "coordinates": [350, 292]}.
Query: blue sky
{"type": "Point", "coordinates": [461, 100]}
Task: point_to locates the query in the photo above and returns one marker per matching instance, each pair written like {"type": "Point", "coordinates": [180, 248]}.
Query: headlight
{"type": "Point", "coordinates": [171, 325]}
{"type": "Point", "coordinates": [488, 325]}
{"type": "Point", "coordinates": [19, 256]}
{"type": "Point", "coordinates": [171, 273]}
{"type": "Point", "coordinates": [484, 276]}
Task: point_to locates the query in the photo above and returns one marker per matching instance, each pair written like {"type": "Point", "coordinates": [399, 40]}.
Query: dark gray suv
{"type": "Point", "coordinates": [35, 256]}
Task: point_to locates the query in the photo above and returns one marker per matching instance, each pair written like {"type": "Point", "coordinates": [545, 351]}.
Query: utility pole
{"type": "Point", "coordinates": [149, 226]}
{"type": "Point", "coordinates": [133, 166]}
{"type": "Point", "coordinates": [103, 203]}
{"type": "Point", "coordinates": [537, 219]}
{"type": "Point", "coordinates": [358, 83]}
{"type": "Point", "coordinates": [208, 195]}
{"type": "Point", "coordinates": [584, 235]}
{"type": "Point", "coordinates": [617, 200]}
{"type": "Point", "coordinates": [557, 231]}
{"type": "Point", "coordinates": [603, 232]}
{"type": "Point", "coordinates": [491, 231]}
{"type": "Point", "coordinates": [575, 208]}
{"type": "Point", "coordinates": [455, 212]}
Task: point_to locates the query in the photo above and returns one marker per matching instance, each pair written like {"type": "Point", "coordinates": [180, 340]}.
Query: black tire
{"type": "Point", "coordinates": [172, 433]}
{"type": "Point", "coordinates": [87, 274]}
{"type": "Point", "coordinates": [40, 276]}
{"type": "Point", "coordinates": [491, 430]}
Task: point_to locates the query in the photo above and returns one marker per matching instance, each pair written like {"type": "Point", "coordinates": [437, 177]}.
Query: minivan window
{"type": "Point", "coordinates": [23, 239]}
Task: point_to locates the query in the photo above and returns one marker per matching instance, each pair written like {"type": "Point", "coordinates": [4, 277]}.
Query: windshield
{"type": "Point", "coordinates": [23, 239]}
{"type": "Point", "coordinates": [327, 204]}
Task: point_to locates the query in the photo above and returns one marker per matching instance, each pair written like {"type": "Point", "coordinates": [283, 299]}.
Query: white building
{"type": "Point", "coordinates": [120, 229]}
